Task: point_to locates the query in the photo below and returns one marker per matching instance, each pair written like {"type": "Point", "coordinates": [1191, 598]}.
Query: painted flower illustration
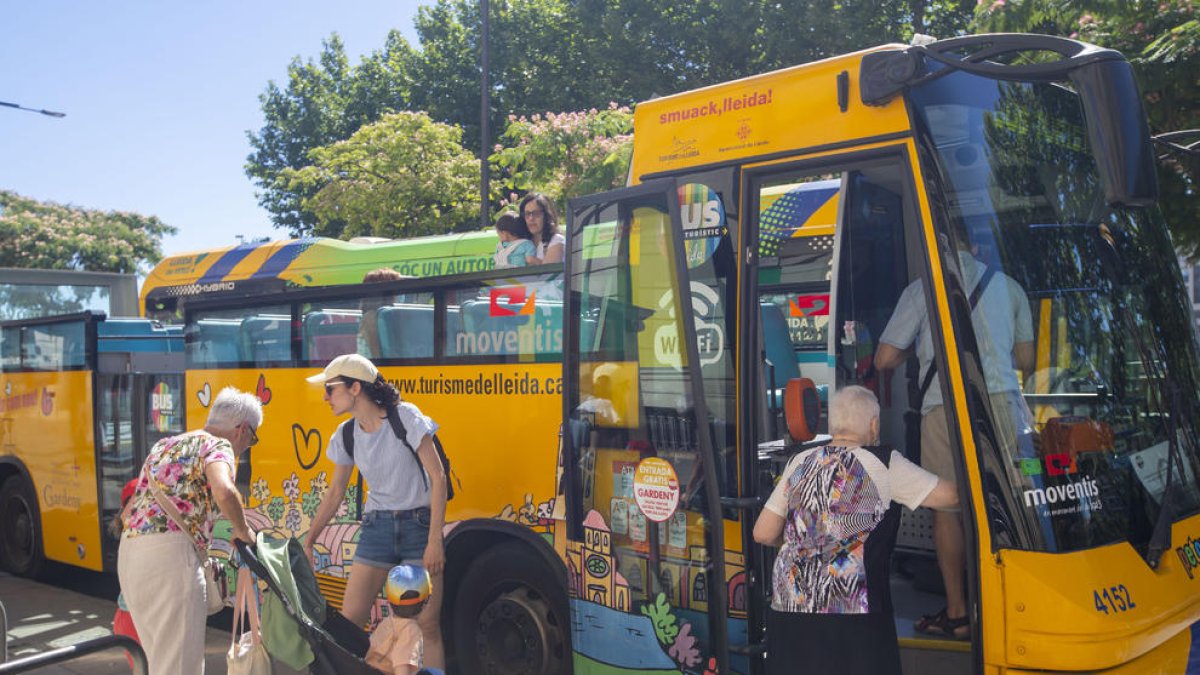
{"type": "Point", "coordinates": [291, 487]}
{"type": "Point", "coordinates": [293, 519]}
{"type": "Point", "coordinates": [260, 490]}
{"type": "Point", "coordinates": [319, 484]}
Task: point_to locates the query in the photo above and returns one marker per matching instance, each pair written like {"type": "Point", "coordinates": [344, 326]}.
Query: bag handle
{"type": "Point", "coordinates": [173, 513]}
{"type": "Point", "coordinates": [246, 603]}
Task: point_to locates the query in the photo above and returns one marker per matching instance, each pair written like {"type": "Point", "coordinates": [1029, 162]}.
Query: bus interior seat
{"type": "Point", "coordinates": [330, 334]}
{"type": "Point", "coordinates": [405, 331]}
{"type": "Point", "coordinates": [777, 343]}
{"type": "Point", "coordinates": [267, 338]}
{"type": "Point", "coordinates": [215, 341]}
{"type": "Point", "coordinates": [454, 328]}
{"type": "Point", "coordinates": [478, 321]}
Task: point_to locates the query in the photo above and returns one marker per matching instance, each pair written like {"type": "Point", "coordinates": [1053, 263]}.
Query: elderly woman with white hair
{"type": "Point", "coordinates": [168, 525]}
{"type": "Point", "coordinates": [834, 514]}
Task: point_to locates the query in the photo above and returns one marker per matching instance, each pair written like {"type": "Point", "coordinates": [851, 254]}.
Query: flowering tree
{"type": "Point", "coordinates": [46, 235]}
{"type": "Point", "coordinates": [402, 176]}
{"type": "Point", "coordinates": [564, 155]}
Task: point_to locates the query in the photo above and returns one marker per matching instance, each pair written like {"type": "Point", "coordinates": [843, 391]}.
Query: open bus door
{"type": "Point", "coordinates": [645, 549]}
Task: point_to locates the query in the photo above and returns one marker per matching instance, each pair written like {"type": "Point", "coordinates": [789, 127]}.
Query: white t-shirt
{"type": "Point", "coordinates": [1001, 319]}
{"type": "Point", "coordinates": [900, 481]}
{"type": "Point", "coordinates": [556, 240]}
{"type": "Point", "coordinates": [394, 477]}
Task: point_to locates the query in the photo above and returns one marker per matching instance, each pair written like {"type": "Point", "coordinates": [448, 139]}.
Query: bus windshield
{"type": "Point", "coordinates": [1108, 392]}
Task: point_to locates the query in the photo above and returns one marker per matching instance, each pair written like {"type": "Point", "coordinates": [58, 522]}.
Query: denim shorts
{"type": "Point", "coordinates": [388, 538]}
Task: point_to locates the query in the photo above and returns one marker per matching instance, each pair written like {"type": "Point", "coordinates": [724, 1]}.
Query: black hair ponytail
{"type": "Point", "coordinates": [382, 393]}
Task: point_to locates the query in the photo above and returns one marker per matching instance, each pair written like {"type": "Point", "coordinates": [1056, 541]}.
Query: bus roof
{"type": "Point", "coordinates": [760, 117]}
{"type": "Point", "coordinates": [315, 262]}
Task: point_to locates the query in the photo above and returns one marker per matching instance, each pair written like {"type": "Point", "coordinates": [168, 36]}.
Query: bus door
{"type": "Point", "coordinates": [834, 245]}
{"type": "Point", "coordinates": [645, 552]}
{"type": "Point", "coordinates": [138, 401]}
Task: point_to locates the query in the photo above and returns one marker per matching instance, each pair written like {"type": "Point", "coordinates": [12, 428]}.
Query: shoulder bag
{"type": "Point", "coordinates": [213, 569]}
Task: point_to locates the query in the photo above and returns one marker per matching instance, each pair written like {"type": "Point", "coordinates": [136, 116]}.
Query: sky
{"type": "Point", "coordinates": [158, 98]}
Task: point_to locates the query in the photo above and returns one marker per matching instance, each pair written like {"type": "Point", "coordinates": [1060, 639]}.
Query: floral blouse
{"type": "Point", "coordinates": [178, 464]}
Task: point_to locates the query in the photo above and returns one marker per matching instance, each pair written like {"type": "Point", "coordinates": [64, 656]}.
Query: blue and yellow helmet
{"type": "Point", "coordinates": [408, 585]}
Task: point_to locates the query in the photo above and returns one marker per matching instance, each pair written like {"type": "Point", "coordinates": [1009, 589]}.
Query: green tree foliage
{"type": "Point", "coordinates": [555, 55]}
{"type": "Point", "coordinates": [46, 235]}
{"type": "Point", "coordinates": [1162, 41]}
{"type": "Point", "coordinates": [564, 155]}
{"type": "Point", "coordinates": [324, 101]}
{"type": "Point", "coordinates": [402, 176]}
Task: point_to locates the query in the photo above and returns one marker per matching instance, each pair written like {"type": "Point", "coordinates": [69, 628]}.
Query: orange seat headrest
{"type": "Point", "coordinates": [801, 409]}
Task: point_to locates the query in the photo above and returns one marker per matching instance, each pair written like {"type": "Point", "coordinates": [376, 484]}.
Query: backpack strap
{"type": "Point", "coordinates": [976, 294]}
{"type": "Point", "coordinates": [393, 418]}
{"type": "Point", "coordinates": [348, 437]}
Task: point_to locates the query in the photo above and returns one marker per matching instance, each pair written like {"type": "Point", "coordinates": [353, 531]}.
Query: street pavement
{"type": "Point", "coordinates": [74, 606]}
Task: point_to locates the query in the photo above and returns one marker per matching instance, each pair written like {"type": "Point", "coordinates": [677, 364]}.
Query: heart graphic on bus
{"type": "Point", "coordinates": [263, 393]}
{"type": "Point", "coordinates": [204, 395]}
{"type": "Point", "coordinates": [307, 443]}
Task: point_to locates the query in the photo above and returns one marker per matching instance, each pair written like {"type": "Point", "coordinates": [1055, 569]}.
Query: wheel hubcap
{"type": "Point", "coordinates": [19, 539]}
{"type": "Point", "coordinates": [515, 636]}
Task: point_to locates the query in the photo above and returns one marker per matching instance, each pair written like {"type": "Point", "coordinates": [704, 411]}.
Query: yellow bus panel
{"type": "Point", "coordinates": [47, 424]}
{"type": "Point", "coordinates": [781, 111]}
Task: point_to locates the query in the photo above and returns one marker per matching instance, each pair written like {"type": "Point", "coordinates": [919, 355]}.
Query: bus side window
{"type": "Point", "coordinates": [214, 341]}
{"type": "Point", "coordinates": [267, 339]}
{"type": "Point", "coordinates": [328, 334]}
{"type": "Point", "coordinates": [406, 331]}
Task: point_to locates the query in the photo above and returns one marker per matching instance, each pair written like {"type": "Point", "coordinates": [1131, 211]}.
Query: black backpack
{"type": "Point", "coordinates": [402, 433]}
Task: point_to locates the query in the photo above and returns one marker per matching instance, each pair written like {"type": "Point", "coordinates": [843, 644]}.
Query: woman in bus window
{"type": "Point", "coordinates": [406, 506]}
{"type": "Point", "coordinates": [368, 327]}
{"type": "Point", "coordinates": [542, 221]}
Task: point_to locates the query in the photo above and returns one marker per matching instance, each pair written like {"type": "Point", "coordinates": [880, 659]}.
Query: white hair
{"type": "Point", "coordinates": [232, 408]}
{"type": "Point", "coordinates": [851, 412]}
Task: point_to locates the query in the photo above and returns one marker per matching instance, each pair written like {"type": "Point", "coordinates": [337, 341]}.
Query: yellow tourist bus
{"type": "Point", "coordinates": [82, 399]}
{"type": "Point", "coordinates": [266, 267]}
{"type": "Point", "coordinates": [1081, 502]}
{"type": "Point", "coordinates": [612, 464]}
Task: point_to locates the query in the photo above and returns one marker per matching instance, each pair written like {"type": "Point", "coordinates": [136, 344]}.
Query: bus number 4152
{"type": "Point", "coordinates": [1115, 597]}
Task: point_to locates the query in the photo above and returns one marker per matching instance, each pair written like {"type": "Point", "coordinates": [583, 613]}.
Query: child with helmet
{"type": "Point", "coordinates": [396, 645]}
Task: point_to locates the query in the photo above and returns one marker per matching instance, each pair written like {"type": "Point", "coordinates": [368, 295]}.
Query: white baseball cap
{"type": "Point", "coordinates": [352, 366]}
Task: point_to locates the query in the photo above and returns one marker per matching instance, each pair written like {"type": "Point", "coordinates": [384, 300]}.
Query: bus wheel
{"type": "Point", "coordinates": [20, 538]}
{"type": "Point", "coordinates": [509, 616]}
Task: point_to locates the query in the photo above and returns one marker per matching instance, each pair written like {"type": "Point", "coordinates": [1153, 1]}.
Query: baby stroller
{"type": "Point", "coordinates": [338, 646]}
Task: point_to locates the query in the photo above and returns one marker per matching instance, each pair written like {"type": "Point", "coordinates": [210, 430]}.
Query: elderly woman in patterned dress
{"type": "Point", "coordinates": [834, 514]}
{"type": "Point", "coordinates": [159, 565]}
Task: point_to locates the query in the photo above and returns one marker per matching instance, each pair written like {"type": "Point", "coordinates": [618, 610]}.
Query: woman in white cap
{"type": "Point", "coordinates": [391, 444]}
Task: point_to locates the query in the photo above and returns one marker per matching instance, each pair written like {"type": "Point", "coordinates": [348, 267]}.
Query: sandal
{"type": "Point", "coordinates": [941, 625]}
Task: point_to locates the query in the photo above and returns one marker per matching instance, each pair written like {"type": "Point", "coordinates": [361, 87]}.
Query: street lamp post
{"type": "Point", "coordinates": [48, 113]}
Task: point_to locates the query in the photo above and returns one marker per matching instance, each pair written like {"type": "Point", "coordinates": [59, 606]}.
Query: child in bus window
{"type": "Point", "coordinates": [515, 248]}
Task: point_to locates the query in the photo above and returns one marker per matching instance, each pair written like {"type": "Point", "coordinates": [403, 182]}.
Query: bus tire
{"type": "Point", "coordinates": [510, 618]}
{"type": "Point", "coordinates": [20, 529]}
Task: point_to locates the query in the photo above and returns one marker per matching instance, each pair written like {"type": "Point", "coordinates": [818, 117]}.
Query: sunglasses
{"type": "Point", "coordinates": [253, 435]}
{"type": "Point", "coordinates": [330, 385]}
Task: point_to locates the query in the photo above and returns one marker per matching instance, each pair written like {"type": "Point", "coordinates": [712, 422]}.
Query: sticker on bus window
{"type": "Point", "coordinates": [162, 407]}
{"type": "Point", "coordinates": [703, 217]}
{"type": "Point", "coordinates": [656, 488]}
